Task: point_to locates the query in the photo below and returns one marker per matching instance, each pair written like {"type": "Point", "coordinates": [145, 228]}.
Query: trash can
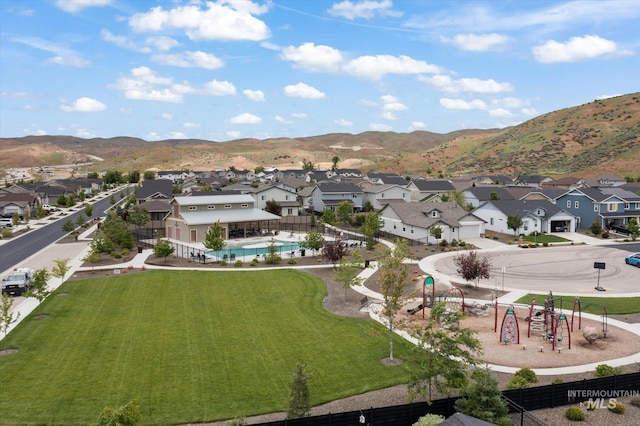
{"type": "Point", "coordinates": [366, 263]}
{"type": "Point", "coordinates": [139, 249]}
{"type": "Point", "coordinates": [302, 252]}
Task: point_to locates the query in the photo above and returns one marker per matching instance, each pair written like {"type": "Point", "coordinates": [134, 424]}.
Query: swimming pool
{"type": "Point", "coordinates": [242, 250]}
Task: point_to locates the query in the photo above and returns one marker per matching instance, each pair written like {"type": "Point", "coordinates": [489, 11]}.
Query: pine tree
{"type": "Point", "coordinates": [299, 401]}
{"type": "Point", "coordinates": [484, 400]}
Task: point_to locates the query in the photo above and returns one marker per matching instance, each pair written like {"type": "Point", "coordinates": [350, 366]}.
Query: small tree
{"type": "Point", "coordinates": [213, 238]}
{"type": "Point", "coordinates": [163, 248]}
{"type": "Point", "coordinates": [344, 212]}
{"type": "Point", "coordinates": [347, 272]}
{"type": "Point", "coordinates": [429, 420]}
{"type": "Point", "coordinates": [127, 415]}
{"type": "Point", "coordinates": [81, 220]}
{"type": "Point", "coordinates": [307, 165]}
{"type": "Point", "coordinates": [514, 222]}
{"type": "Point", "coordinates": [484, 400]}
{"type": "Point", "coordinates": [471, 268]}
{"type": "Point", "coordinates": [312, 241]}
{"type": "Point", "coordinates": [596, 228]}
{"type": "Point", "coordinates": [138, 216]}
{"type": "Point", "coordinates": [633, 228]}
{"type": "Point", "coordinates": [370, 228]}
{"type": "Point", "coordinates": [329, 217]}
{"type": "Point", "coordinates": [273, 207]}
{"type": "Point", "coordinates": [39, 288]}
{"type": "Point", "coordinates": [149, 175]}
{"type": "Point", "coordinates": [393, 280]}
{"type": "Point", "coordinates": [88, 210]}
{"type": "Point", "coordinates": [6, 316]}
{"type": "Point", "coordinates": [446, 352]}
{"type": "Point", "coordinates": [335, 251]}
{"type": "Point", "coordinates": [61, 268]}
{"type": "Point", "coordinates": [436, 232]}
{"type": "Point", "coordinates": [272, 257]}
{"type": "Point", "coordinates": [494, 196]}
{"type": "Point", "coordinates": [15, 219]}
{"type": "Point", "coordinates": [70, 227]}
{"type": "Point", "coordinates": [299, 399]}
{"type": "Point", "coordinates": [334, 162]}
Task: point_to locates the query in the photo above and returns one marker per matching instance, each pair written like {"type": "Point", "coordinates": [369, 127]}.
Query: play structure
{"type": "Point", "coordinates": [551, 323]}
{"type": "Point", "coordinates": [453, 298]}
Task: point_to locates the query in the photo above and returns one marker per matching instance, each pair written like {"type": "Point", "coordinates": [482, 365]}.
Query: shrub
{"type": "Point", "coordinates": [635, 401]}
{"type": "Point", "coordinates": [125, 252]}
{"type": "Point", "coordinates": [596, 228]}
{"type": "Point", "coordinates": [238, 421]}
{"type": "Point", "coordinates": [576, 414]}
{"type": "Point", "coordinates": [557, 381]}
{"type": "Point", "coordinates": [253, 262]}
{"type": "Point", "coordinates": [545, 244]}
{"type": "Point", "coordinates": [444, 243]}
{"type": "Point", "coordinates": [223, 263]}
{"type": "Point", "coordinates": [7, 233]}
{"type": "Point", "coordinates": [116, 255]}
{"type": "Point", "coordinates": [528, 374]}
{"type": "Point", "coordinates": [605, 234]}
{"type": "Point", "coordinates": [291, 261]}
{"type": "Point", "coordinates": [429, 420]}
{"type": "Point", "coordinates": [518, 382]}
{"type": "Point", "coordinates": [604, 370]}
{"type": "Point", "coordinates": [619, 408]}
{"type": "Point", "coordinates": [238, 263]}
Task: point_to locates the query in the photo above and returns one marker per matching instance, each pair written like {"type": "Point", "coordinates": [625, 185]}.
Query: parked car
{"type": "Point", "coordinates": [18, 281]}
{"type": "Point", "coordinates": [633, 260]}
{"type": "Point", "coordinates": [6, 223]}
{"type": "Point", "coordinates": [48, 208]}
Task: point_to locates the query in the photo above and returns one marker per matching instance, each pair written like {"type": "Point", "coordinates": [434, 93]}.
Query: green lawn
{"type": "Point", "coordinates": [545, 238]}
{"type": "Point", "coordinates": [191, 346]}
{"type": "Point", "coordinates": [592, 305]}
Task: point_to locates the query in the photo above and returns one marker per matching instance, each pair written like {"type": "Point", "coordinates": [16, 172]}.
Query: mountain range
{"type": "Point", "coordinates": [600, 137]}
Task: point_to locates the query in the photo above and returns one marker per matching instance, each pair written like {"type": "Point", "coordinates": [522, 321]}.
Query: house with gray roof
{"type": "Point", "coordinates": [531, 180]}
{"type": "Point", "coordinates": [591, 205]}
{"type": "Point", "coordinates": [327, 195]}
{"type": "Point", "coordinates": [191, 217]}
{"type": "Point", "coordinates": [380, 194]}
{"type": "Point", "coordinates": [423, 189]}
{"type": "Point", "coordinates": [537, 215]}
{"type": "Point", "coordinates": [414, 221]}
{"type": "Point", "coordinates": [380, 178]}
{"type": "Point", "coordinates": [155, 189]}
{"type": "Point", "coordinates": [475, 195]}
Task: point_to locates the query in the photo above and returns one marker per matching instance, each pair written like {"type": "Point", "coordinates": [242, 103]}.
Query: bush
{"type": "Point", "coordinates": [605, 234]}
{"type": "Point", "coordinates": [635, 401]}
{"type": "Point", "coordinates": [291, 262]}
{"type": "Point", "coordinates": [596, 228]}
{"type": "Point", "coordinates": [619, 408]}
{"type": "Point", "coordinates": [253, 262]}
{"type": "Point", "coordinates": [557, 381]}
{"type": "Point", "coordinates": [518, 382]}
{"type": "Point", "coordinates": [125, 252]}
{"type": "Point", "coordinates": [429, 420]}
{"type": "Point", "coordinates": [576, 414]}
{"type": "Point", "coordinates": [7, 233]}
{"type": "Point", "coordinates": [238, 263]}
{"type": "Point", "coordinates": [116, 255]}
{"type": "Point", "coordinates": [223, 263]}
{"type": "Point", "coordinates": [528, 374]}
{"type": "Point", "coordinates": [604, 370]}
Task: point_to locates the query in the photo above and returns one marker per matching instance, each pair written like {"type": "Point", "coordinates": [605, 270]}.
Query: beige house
{"type": "Point", "coordinates": [191, 217]}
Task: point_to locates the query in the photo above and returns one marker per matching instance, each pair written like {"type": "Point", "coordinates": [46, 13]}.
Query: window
{"type": "Point", "coordinates": [596, 207]}
{"type": "Point", "coordinates": [434, 214]}
{"type": "Point", "coordinates": [627, 206]}
{"type": "Point", "coordinates": [576, 204]}
{"type": "Point", "coordinates": [290, 211]}
{"type": "Point", "coordinates": [382, 195]}
{"type": "Point", "coordinates": [404, 229]}
{"type": "Point", "coordinates": [211, 207]}
{"type": "Point", "coordinates": [227, 206]}
{"type": "Point", "coordinates": [354, 195]}
{"type": "Point", "coordinates": [244, 206]}
{"type": "Point", "coordinates": [491, 221]}
{"type": "Point", "coordinates": [263, 197]}
{"type": "Point", "coordinates": [568, 204]}
{"type": "Point", "coordinates": [394, 226]}
{"type": "Point", "coordinates": [286, 197]}
{"type": "Point", "coordinates": [191, 208]}
{"type": "Point", "coordinates": [612, 207]}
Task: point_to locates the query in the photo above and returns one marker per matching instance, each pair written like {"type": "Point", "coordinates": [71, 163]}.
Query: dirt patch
{"type": "Point", "coordinates": [8, 352]}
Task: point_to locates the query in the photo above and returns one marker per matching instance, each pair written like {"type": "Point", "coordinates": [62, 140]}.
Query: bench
{"type": "Point", "coordinates": [364, 302]}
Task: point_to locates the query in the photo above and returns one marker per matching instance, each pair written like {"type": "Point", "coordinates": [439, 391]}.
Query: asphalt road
{"type": "Point", "coordinates": [565, 270]}
{"type": "Point", "coordinates": [17, 250]}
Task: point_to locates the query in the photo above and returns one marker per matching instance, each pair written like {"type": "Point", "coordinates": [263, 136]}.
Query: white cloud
{"type": "Point", "coordinates": [576, 49]}
{"type": "Point", "coordinates": [388, 115]}
{"type": "Point", "coordinates": [166, 116]}
{"type": "Point", "coordinates": [528, 111]}
{"type": "Point", "coordinates": [478, 42]}
{"type": "Point", "coordinates": [500, 112]}
{"type": "Point", "coordinates": [366, 9]}
{"type": "Point", "coordinates": [601, 97]}
{"type": "Point", "coordinates": [310, 57]}
{"type": "Point", "coordinates": [189, 60]}
{"type": "Point", "coordinates": [375, 67]}
{"type": "Point", "coordinates": [245, 118]}
{"type": "Point", "coordinates": [177, 135]}
{"type": "Point", "coordinates": [254, 95]}
{"type": "Point", "coordinates": [191, 125]}
{"type": "Point", "coordinates": [63, 55]}
{"type": "Point", "coordinates": [125, 111]}
{"type": "Point", "coordinates": [283, 120]}
{"type": "Point", "coordinates": [162, 43]}
{"type": "Point", "coordinates": [231, 20]}
{"type": "Point", "coordinates": [84, 104]}
{"type": "Point", "coordinates": [417, 125]}
{"type": "Point", "coordinates": [342, 122]}
{"type": "Point", "coordinates": [70, 61]}
{"type": "Point", "coordinates": [122, 41]}
{"type": "Point", "coordinates": [234, 134]}
{"type": "Point", "coordinates": [446, 84]}
{"type": "Point", "coordinates": [73, 6]}
{"type": "Point", "coordinates": [219, 88]}
{"type": "Point", "coordinates": [379, 127]}
{"type": "Point", "coordinates": [152, 136]}
{"type": "Point", "coordinates": [300, 115]}
{"type": "Point", "coordinates": [302, 90]}
{"type": "Point", "coordinates": [462, 104]}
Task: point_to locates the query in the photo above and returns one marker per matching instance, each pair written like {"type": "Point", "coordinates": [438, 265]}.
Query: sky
{"type": "Point", "coordinates": [232, 69]}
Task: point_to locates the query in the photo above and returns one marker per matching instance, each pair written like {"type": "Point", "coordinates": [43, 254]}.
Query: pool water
{"type": "Point", "coordinates": [234, 251]}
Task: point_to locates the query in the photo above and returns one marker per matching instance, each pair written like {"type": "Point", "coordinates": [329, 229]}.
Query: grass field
{"type": "Point", "coordinates": [545, 238]}
{"type": "Point", "coordinates": [191, 346]}
{"type": "Point", "coordinates": [592, 305]}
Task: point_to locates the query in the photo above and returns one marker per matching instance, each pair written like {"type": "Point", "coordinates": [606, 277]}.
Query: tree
{"type": "Point", "coordinates": [134, 176]}
{"type": "Point", "coordinates": [471, 268]}
{"type": "Point", "coordinates": [273, 207]}
{"type": "Point", "coordinates": [344, 212]}
{"type": "Point", "coordinates": [393, 280]}
{"type": "Point", "coordinates": [307, 165]}
{"type": "Point", "coordinates": [127, 415]}
{"type": "Point", "coordinates": [112, 200]}
{"type": "Point", "coordinates": [115, 229]}
{"type": "Point", "coordinates": [61, 268]}
{"type": "Point", "coordinates": [6, 316]}
{"type": "Point", "coordinates": [88, 210]}
{"type": "Point", "coordinates": [272, 257]}
{"type": "Point", "coordinates": [62, 200]}
{"type": "Point", "coordinates": [596, 228]}
{"type": "Point", "coordinates": [514, 222]}
{"type": "Point", "coordinates": [81, 220]}
{"type": "Point", "coordinates": [329, 217]}
{"type": "Point", "coordinates": [347, 272]}
{"type": "Point", "coordinates": [299, 399]}
{"type": "Point", "coordinates": [334, 162]}
{"type": "Point", "coordinates": [429, 420]}
{"type": "Point", "coordinates": [163, 248]}
{"type": "Point", "coordinates": [258, 170]}
{"type": "Point", "coordinates": [70, 228]}
{"type": "Point", "coordinates": [494, 196]}
{"type": "Point", "coordinates": [213, 238]}
{"type": "Point", "coordinates": [446, 351]}
{"type": "Point", "coordinates": [138, 216]}
{"type": "Point", "coordinates": [149, 175]}
{"type": "Point", "coordinates": [372, 224]}
{"type": "Point", "coordinates": [335, 251]}
{"type": "Point", "coordinates": [15, 219]}
{"type": "Point", "coordinates": [39, 288]}
{"type": "Point", "coordinates": [436, 232]}
{"type": "Point", "coordinates": [632, 227]}
{"type": "Point", "coordinates": [92, 175]}
{"type": "Point", "coordinates": [312, 241]}
{"type": "Point", "coordinates": [484, 400]}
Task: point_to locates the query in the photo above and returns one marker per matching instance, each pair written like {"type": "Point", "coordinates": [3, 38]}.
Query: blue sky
{"type": "Point", "coordinates": [223, 70]}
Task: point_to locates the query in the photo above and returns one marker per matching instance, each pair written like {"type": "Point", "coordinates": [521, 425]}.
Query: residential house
{"type": "Point", "coordinates": [286, 199]}
{"type": "Point", "coordinates": [423, 189]}
{"type": "Point", "coordinates": [158, 209]}
{"type": "Point", "coordinates": [380, 194]}
{"type": "Point", "coordinates": [526, 193]}
{"type": "Point", "coordinates": [631, 207]}
{"type": "Point", "coordinates": [380, 178]}
{"type": "Point", "coordinates": [23, 203]}
{"type": "Point", "coordinates": [156, 189]}
{"type": "Point", "coordinates": [531, 180]}
{"type": "Point", "coordinates": [591, 205]}
{"type": "Point", "coordinates": [415, 220]}
{"type": "Point", "coordinates": [327, 195]}
{"type": "Point", "coordinates": [494, 180]}
{"type": "Point", "coordinates": [175, 176]}
{"type": "Point", "coordinates": [607, 181]}
{"type": "Point", "coordinates": [476, 195]}
{"type": "Point", "coordinates": [191, 217]}
{"type": "Point", "coordinates": [569, 182]}
{"type": "Point", "coordinates": [536, 215]}
{"type": "Point", "coordinates": [345, 175]}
